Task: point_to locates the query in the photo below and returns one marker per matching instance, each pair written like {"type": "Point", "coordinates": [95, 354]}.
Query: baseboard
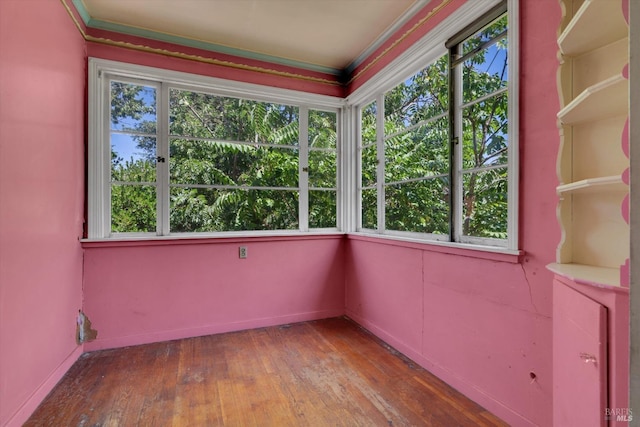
{"type": "Point", "coordinates": [218, 328]}
{"type": "Point", "coordinates": [469, 390]}
{"type": "Point", "coordinates": [25, 411]}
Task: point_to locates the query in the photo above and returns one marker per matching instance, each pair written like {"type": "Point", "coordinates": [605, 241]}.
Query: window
{"type": "Point", "coordinates": [429, 151]}
{"type": "Point", "coordinates": [169, 157]}
{"type": "Point", "coordinates": [437, 155]}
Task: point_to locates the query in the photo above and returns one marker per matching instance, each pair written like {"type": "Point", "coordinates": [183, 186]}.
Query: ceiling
{"type": "Point", "coordinates": [321, 35]}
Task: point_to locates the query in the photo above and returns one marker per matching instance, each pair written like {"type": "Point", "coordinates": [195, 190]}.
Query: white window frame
{"type": "Point", "coordinates": [99, 153]}
{"type": "Point", "coordinates": [422, 53]}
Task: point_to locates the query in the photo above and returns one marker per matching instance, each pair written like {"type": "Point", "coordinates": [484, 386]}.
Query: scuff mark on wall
{"type": "Point", "coordinates": [84, 333]}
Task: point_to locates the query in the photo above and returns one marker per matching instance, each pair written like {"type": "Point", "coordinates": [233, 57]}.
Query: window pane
{"type": "Point", "coordinates": [201, 115]}
{"type": "Point", "coordinates": [205, 210]}
{"type": "Point", "coordinates": [322, 129]}
{"type": "Point", "coordinates": [225, 163]}
{"type": "Point", "coordinates": [369, 165]}
{"type": "Point", "coordinates": [485, 203]}
{"type": "Point", "coordinates": [133, 208]}
{"type": "Point", "coordinates": [370, 208]}
{"type": "Point", "coordinates": [418, 98]}
{"type": "Point", "coordinates": [322, 209]}
{"type": "Point", "coordinates": [485, 73]}
{"type": "Point", "coordinates": [485, 139]}
{"type": "Point", "coordinates": [322, 169]}
{"type": "Point", "coordinates": [133, 107]}
{"type": "Point", "coordinates": [420, 206]}
{"type": "Point", "coordinates": [494, 30]}
{"type": "Point", "coordinates": [128, 164]}
{"type": "Point", "coordinates": [368, 125]}
{"type": "Point", "coordinates": [423, 151]}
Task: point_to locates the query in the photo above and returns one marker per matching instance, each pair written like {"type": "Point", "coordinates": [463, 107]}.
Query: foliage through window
{"type": "Point", "coordinates": [439, 164]}
{"type": "Point", "coordinates": [187, 160]}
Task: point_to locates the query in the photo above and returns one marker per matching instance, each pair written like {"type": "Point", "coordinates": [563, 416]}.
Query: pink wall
{"type": "Point", "coordinates": [146, 292]}
{"type": "Point", "coordinates": [42, 80]}
{"type": "Point", "coordinates": [483, 325]}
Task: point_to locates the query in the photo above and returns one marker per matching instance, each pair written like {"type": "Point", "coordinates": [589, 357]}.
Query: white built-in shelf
{"type": "Point", "coordinates": [594, 185]}
{"type": "Point", "coordinates": [593, 26]}
{"type": "Point", "coordinates": [608, 98]}
{"type": "Point", "coordinates": [588, 274]}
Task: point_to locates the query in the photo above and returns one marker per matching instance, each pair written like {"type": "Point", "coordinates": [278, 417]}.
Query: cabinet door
{"type": "Point", "coordinates": [579, 359]}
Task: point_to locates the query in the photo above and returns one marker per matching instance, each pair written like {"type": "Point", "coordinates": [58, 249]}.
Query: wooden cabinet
{"type": "Point", "coordinates": [580, 362]}
{"type": "Point", "coordinates": [590, 353]}
{"type": "Point", "coordinates": [593, 156]}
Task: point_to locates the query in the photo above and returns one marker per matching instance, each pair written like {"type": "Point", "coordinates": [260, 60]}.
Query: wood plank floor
{"type": "Point", "coordinates": [321, 373]}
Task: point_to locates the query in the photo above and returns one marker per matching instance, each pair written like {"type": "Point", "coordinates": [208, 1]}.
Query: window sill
{"type": "Point", "coordinates": [208, 238]}
{"type": "Point", "coordinates": [453, 248]}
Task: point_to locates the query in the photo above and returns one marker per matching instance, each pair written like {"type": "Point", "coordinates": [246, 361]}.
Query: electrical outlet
{"type": "Point", "coordinates": [243, 252]}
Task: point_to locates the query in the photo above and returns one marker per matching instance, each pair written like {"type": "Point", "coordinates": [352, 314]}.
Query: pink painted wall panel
{"type": "Point", "coordinates": [498, 350]}
{"type": "Point", "coordinates": [42, 80]}
{"type": "Point", "coordinates": [140, 294]}
{"type": "Point", "coordinates": [512, 288]}
{"type": "Point", "coordinates": [386, 295]}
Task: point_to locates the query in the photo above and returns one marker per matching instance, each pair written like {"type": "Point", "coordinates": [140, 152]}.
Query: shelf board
{"type": "Point", "coordinates": [608, 98]}
{"type": "Point", "coordinates": [593, 185]}
{"type": "Point", "coordinates": [602, 277]}
{"type": "Point", "coordinates": [597, 23]}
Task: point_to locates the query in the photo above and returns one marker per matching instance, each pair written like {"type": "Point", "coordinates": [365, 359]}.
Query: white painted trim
{"type": "Point", "coordinates": [303, 168]}
{"type": "Point", "coordinates": [346, 176]}
{"type": "Point", "coordinates": [95, 199]}
{"type": "Point", "coordinates": [380, 189]}
{"type": "Point", "coordinates": [457, 185]}
{"type": "Point", "coordinates": [357, 162]}
{"type": "Point", "coordinates": [162, 172]}
{"type": "Point", "coordinates": [513, 112]}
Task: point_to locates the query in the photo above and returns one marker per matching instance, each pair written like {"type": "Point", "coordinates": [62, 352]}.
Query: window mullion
{"type": "Point", "coordinates": [303, 169]}
{"type": "Point", "coordinates": [105, 161]}
{"type": "Point", "coordinates": [512, 114]}
{"type": "Point", "coordinates": [359, 149]}
{"type": "Point", "coordinates": [456, 190]}
{"type": "Point", "coordinates": [381, 162]}
{"type": "Point", "coordinates": [344, 171]}
{"type": "Point", "coordinates": [162, 167]}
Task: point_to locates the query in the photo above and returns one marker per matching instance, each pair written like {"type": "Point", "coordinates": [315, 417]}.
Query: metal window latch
{"type": "Point", "coordinates": [160, 159]}
{"type": "Point", "coordinates": [455, 140]}
{"type": "Point", "coordinates": [305, 169]}
{"type": "Point", "coordinates": [588, 358]}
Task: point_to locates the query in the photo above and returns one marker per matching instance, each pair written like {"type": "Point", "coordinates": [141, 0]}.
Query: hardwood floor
{"type": "Point", "coordinates": [321, 373]}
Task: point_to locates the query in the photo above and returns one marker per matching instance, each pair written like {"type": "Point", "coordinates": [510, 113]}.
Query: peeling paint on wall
{"type": "Point", "coordinates": [84, 333]}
